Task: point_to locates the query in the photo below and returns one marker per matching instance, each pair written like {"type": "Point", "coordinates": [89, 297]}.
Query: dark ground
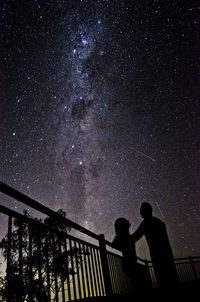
{"type": "Point", "coordinates": [186, 292]}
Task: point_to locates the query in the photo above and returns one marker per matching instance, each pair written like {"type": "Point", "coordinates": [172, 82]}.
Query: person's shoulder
{"type": "Point", "coordinates": [142, 226]}
{"type": "Point", "coordinates": [114, 240]}
{"type": "Point", "coordinates": [158, 221]}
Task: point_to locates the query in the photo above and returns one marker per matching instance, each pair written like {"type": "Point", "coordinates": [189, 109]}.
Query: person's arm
{"type": "Point", "coordinates": [118, 244]}
{"type": "Point", "coordinates": [138, 233]}
{"type": "Point", "coordinates": [115, 243]}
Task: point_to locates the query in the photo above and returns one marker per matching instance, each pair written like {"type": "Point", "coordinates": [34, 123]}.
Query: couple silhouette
{"type": "Point", "coordinates": [160, 250]}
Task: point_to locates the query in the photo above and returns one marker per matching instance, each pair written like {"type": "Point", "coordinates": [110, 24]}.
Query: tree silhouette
{"type": "Point", "coordinates": [41, 259]}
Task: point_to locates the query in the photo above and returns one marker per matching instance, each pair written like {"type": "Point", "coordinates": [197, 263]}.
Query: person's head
{"type": "Point", "coordinates": [122, 225]}
{"type": "Point", "coordinates": [146, 210]}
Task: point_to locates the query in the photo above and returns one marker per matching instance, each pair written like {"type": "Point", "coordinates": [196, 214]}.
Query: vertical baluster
{"type": "Point", "coordinates": [62, 272]}
{"type": "Point", "coordinates": [30, 263]}
{"type": "Point", "coordinates": [148, 280]}
{"type": "Point", "coordinates": [113, 264]}
{"type": "Point", "coordinates": [20, 263]}
{"type": "Point", "coordinates": [97, 273]}
{"type": "Point", "coordinates": [86, 270]}
{"type": "Point", "coordinates": [90, 271]}
{"type": "Point", "coordinates": [8, 268]}
{"type": "Point", "coordinates": [116, 265]}
{"type": "Point", "coordinates": [78, 268]}
{"type": "Point", "coordinates": [40, 265]}
{"type": "Point", "coordinates": [111, 272]}
{"type": "Point", "coordinates": [72, 268]}
{"type": "Point", "coordinates": [47, 265]}
{"type": "Point", "coordinates": [54, 247]}
{"type": "Point", "coordinates": [193, 268]}
{"type": "Point", "coordinates": [100, 273]}
{"type": "Point", "coordinates": [94, 270]}
{"type": "Point", "coordinates": [104, 263]}
{"type": "Point", "coordinates": [67, 272]}
{"type": "Point", "coordinates": [186, 271]}
{"type": "Point", "coordinates": [82, 271]}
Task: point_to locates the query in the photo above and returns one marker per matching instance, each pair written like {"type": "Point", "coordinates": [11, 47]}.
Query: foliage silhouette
{"type": "Point", "coordinates": [46, 258]}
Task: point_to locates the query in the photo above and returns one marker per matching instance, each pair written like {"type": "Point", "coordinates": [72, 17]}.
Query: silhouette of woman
{"type": "Point", "coordinates": [157, 239]}
{"type": "Point", "coordinates": [126, 245]}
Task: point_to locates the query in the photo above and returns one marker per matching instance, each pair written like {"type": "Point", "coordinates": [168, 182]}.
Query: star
{"type": "Point", "coordinates": [99, 111]}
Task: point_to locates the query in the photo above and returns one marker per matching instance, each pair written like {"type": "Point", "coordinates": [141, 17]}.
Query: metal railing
{"type": "Point", "coordinates": [188, 270]}
{"type": "Point", "coordinates": [44, 263]}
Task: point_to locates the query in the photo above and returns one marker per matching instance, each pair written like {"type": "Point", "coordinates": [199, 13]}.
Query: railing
{"type": "Point", "coordinates": [44, 263]}
{"type": "Point", "coordinates": [188, 270]}
{"type": "Point", "coordinates": [72, 268]}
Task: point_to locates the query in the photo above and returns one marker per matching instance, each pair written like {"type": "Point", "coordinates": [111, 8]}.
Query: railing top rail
{"type": "Point", "coordinates": [181, 260]}
{"type": "Point", "coordinates": [30, 220]}
{"type": "Point", "coordinates": [189, 257]}
{"type": "Point", "coordinates": [110, 245]}
{"type": "Point", "coordinates": [6, 189]}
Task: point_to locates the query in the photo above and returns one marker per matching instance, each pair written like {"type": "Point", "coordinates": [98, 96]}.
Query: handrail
{"type": "Point", "coordinates": [30, 220]}
{"type": "Point", "coordinates": [184, 258]}
{"type": "Point", "coordinates": [6, 189]}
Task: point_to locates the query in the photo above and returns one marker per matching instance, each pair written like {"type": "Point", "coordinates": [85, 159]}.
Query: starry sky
{"type": "Point", "coordinates": [100, 111]}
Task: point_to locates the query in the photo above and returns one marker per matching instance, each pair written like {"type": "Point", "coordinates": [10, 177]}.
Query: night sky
{"type": "Point", "coordinates": [100, 111]}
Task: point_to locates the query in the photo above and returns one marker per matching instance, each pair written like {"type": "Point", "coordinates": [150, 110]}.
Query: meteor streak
{"type": "Point", "coordinates": [145, 155]}
{"type": "Point", "coordinates": [159, 209]}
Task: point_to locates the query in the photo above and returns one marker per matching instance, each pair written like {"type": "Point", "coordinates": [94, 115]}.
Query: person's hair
{"type": "Point", "coordinates": [121, 225]}
{"type": "Point", "coordinates": [146, 209]}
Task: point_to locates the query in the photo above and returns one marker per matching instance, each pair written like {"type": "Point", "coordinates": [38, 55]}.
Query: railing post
{"type": "Point", "coordinates": [148, 274]}
{"type": "Point", "coordinates": [193, 268]}
{"type": "Point", "coordinates": [105, 267]}
{"type": "Point", "coordinates": [146, 264]}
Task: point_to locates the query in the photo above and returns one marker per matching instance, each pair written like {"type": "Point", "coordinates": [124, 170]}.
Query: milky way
{"type": "Point", "coordinates": [100, 111]}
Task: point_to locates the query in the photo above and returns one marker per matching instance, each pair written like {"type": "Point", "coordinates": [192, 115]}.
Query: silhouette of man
{"type": "Point", "coordinates": [157, 239]}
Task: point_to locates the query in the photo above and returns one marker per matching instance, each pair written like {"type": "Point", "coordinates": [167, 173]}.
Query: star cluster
{"type": "Point", "coordinates": [100, 111]}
